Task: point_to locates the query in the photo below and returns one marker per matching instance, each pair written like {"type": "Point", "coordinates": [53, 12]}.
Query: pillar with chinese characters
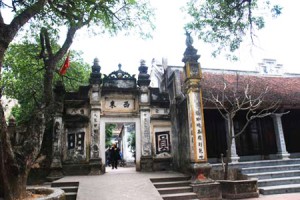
{"type": "Point", "coordinates": [192, 87]}
{"type": "Point", "coordinates": [146, 161]}
{"type": "Point", "coordinates": [96, 162]}
{"type": "Point", "coordinates": [58, 127]}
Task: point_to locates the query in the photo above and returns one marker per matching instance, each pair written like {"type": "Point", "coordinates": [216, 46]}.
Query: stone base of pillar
{"type": "Point", "coordinates": [55, 174]}
{"type": "Point", "coordinates": [146, 164]}
{"type": "Point", "coordinates": [234, 159]}
{"type": "Point", "coordinates": [283, 156]}
{"type": "Point", "coordinates": [96, 167]}
{"type": "Point", "coordinates": [200, 172]}
{"type": "Point", "coordinates": [202, 185]}
{"type": "Point", "coordinates": [208, 191]}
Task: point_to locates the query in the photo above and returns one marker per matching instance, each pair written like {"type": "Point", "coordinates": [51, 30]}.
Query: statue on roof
{"type": "Point", "coordinates": [189, 40]}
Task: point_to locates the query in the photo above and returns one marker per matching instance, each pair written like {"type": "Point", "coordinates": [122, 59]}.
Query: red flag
{"type": "Point", "coordinates": [66, 65]}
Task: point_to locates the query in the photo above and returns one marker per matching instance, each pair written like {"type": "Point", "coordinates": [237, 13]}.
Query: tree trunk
{"type": "Point", "coordinates": [13, 183]}
{"type": "Point", "coordinates": [17, 185]}
{"type": "Point", "coordinates": [229, 143]}
{"type": "Point", "coordinates": [1, 178]}
{"type": "Point", "coordinates": [48, 82]}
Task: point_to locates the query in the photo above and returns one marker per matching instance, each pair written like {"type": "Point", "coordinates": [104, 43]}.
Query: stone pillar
{"type": "Point", "coordinates": [198, 166]}
{"type": "Point", "coordinates": [192, 87]}
{"type": "Point", "coordinates": [96, 162]}
{"type": "Point", "coordinates": [281, 147]}
{"type": "Point", "coordinates": [234, 158]}
{"type": "Point", "coordinates": [144, 81]}
{"type": "Point", "coordinates": [57, 135]}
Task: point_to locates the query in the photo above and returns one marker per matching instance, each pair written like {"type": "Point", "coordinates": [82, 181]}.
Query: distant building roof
{"type": "Point", "coordinates": [284, 88]}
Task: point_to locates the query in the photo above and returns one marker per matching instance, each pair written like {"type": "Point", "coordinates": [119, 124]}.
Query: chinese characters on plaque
{"type": "Point", "coordinates": [76, 141]}
{"type": "Point", "coordinates": [162, 142]}
{"type": "Point", "coordinates": [119, 104]}
{"type": "Point", "coordinates": [160, 111]}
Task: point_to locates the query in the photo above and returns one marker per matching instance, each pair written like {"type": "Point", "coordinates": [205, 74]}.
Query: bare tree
{"type": "Point", "coordinates": [232, 98]}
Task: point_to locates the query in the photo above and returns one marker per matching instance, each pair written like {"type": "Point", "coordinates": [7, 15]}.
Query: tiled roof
{"type": "Point", "coordinates": [286, 89]}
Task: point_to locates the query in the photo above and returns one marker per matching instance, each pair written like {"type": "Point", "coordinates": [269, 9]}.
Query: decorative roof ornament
{"type": "Point", "coordinates": [190, 53]}
{"type": "Point", "coordinates": [96, 67]}
{"type": "Point", "coordinates": [119, 74]}
{"type": "Point", "coordinates": [119, 80]}
{"type": "Point", "coordinates": [144, 77]}
{"type": "Point", "coordinates": [189, 40]}
{"type": "Point", "coordinates": [95, 77]}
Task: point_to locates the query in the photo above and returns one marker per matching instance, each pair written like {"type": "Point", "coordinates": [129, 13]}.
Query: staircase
{"type": "Point", "coordinates": [70, 188]}
{"type": "Point", "coordinates": [275, 176]}
{"type": "Point", "coordinates": [174, 188]}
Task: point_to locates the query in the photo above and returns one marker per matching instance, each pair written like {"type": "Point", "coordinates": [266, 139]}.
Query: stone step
{"type": "Point", "coordinates": [260, 163]}
{"type": "Point", "coordinates": [171, 184]}
{"type": "Point", "coordinates": [270, 168]}
{"type": "Point", "coordinates": [47, 184]}
{"type": "Point", "coordinates": [270, 162]}
{"type": "Point", "coordinates": [69, 188]}
{"type": "Point", "coordinates": [64, 184]}
{"type": "Point", "coordinates": [280, 189]}
{"type": "Point", "coordinates": [180, 196]}
{"type": "Point", "coordinates": [169, 179]}
{"type": "Point", "coordinates": [279, 181]}
{"type": "Point", "coordinates": [269, 175]}
{"type": "Point", "coordinates": [173, 190]}
{"type": "Point", "coordinates": [71, 196]}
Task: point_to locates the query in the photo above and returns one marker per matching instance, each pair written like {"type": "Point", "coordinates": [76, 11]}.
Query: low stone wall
{"type": "Point", "coordinates": [237, 186]}
{"type": "Point", "coordinates": [208, 191]}
{"type": "Point", "coordinates": [238, 189]}
{"type": "Point", "coordinates": [52, 193]}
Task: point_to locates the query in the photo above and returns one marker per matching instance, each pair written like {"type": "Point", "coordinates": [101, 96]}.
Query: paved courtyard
{"type": "Point", "coordinates": [127, 184]}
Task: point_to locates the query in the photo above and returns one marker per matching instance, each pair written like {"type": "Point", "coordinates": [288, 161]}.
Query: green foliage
{"type": "Point", "coordinates": [225, 23]}
{"type": "Point", "coordinates": [112, 17]}
{"type": "Point", "coordinates": [108, 134]}
{"type": "Point", "coordinates": [23, 72]}
{"type": "Point", "coordinates": [131, 142]}
{"type": "Point", "coordinates": [17, 113]}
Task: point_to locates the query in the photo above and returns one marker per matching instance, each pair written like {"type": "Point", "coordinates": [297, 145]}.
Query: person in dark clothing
{"type": "Point", "coordinates": [114, 156]}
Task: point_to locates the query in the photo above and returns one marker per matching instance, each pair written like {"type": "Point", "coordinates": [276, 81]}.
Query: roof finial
{"type": "Point", "coordinates": [190, 53]}
{"type": "Point", "coordinates": [189, 40]}
{"type": "Point", "coordinates": [96, 62]}
{"type": "Point", "coordinates": [120, 66]}
{"type": "Point", "coordinates": [143, 62]}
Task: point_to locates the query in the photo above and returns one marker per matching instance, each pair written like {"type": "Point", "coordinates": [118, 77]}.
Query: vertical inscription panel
{"type": "Point", "coordinates": [197, 133]}
{"type": "Point", "coordinates": [146, 137]}
{"type": "Point", "coordinates": [95, 134]}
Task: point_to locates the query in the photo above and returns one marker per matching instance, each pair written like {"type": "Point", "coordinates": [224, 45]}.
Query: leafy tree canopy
{"type": "Point", "coordinates": [108, 16]}
{"type": "Point", "coordinates": [23, 72]}
{"type": "Point", "coordinates": [108, 134]}
{"type": "Point", "coordinates": [225, 23]}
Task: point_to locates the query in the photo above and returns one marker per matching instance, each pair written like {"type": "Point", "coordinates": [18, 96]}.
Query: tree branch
{"type": "Point", "coordinates": [24, 16]}
{"type": "Point", "coordinates": [67, 43]}
{"type": "Point", "coordinates": [47, 42]}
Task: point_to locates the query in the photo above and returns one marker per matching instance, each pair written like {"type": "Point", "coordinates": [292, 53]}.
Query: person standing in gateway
{"type": "Point", "coordinates": [114, 156]}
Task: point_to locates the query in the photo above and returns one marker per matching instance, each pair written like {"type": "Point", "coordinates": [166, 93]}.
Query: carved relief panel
{"type": "Point", "coordinates": [75, 145]}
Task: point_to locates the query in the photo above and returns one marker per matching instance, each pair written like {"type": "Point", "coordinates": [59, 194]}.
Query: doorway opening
{"type": "Point", "coordinates": [123, 136]}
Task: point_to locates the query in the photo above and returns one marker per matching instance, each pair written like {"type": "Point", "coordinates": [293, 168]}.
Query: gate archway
{"type": "Point", "coordinates": [136, 121]}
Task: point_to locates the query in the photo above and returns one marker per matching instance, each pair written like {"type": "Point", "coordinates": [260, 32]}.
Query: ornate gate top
{"type": "Point", "coordinates": [119, 79]}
